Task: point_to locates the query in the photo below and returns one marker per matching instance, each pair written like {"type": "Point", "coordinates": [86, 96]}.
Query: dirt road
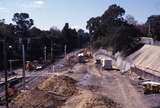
{"type": "Point", "coordinates": [109, 83]}
{"type": "Point", "coordinates": [119, 88]}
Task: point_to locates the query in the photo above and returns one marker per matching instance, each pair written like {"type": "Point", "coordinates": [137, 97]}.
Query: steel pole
{"type": "Point", "coordinates": [6, 74]}
{"type": "Point", "coordinates": [65, 50]}
{"type": "Point", "coordinates": [45, 54]}
{"type": "Point", "coordinates": [10, 65]}
{"type": "Point", "coordinates": [24, 66]}
{"type": "Point", "coordinates": [51, 51]}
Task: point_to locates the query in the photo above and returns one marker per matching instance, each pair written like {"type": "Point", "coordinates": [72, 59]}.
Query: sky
{"type": "Point", "coordinates": [55, 13]}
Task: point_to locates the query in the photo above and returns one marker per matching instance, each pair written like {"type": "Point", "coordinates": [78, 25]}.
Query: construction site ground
{"type": "Point", "coordinates": [110, 84]}
{"type": "Point", "coordinates": [90, 81]}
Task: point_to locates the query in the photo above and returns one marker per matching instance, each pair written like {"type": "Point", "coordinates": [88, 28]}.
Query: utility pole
{"type": "Point", "coordinates": [5, 66]}
{"type": "Point", "coordinates": [45, 54]}
{"type": "Point", "coordinates": [24, 66]}
{"type": "Point", "coordinates": [5, 70]}
{"type": "Point", "coordinates": [149, 29]}
{"type": "Point", "coordinates": [10, 66]}
{"type": "Point", "coordinates": [22, 46]}
{"type": "Point", "coordinates": [51, 51]}
{"type": "Point", "coordinates": [10, 61]}
{"type": "Point", "coordinates": [65, 50]}
{"type": "Point", "coordinates": [91, 43]}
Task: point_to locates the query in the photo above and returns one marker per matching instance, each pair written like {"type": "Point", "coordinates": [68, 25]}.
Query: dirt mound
{"type": "Point", "coordinates": [37, 99]}
{"type": "Point", "coordinates": [52, 93]}
{"type": "Point", "coordinates": [61, 92]}
{"type": "Point", "coordinates": [61, 85]}
{"type": "Point", "coordinates": [86, 99]}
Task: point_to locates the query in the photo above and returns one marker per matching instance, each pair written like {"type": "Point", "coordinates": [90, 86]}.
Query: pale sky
{"type": "Point", "coordinates": [48, 13]}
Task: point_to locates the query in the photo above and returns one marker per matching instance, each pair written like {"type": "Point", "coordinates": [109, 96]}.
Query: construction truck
{"type": "Point", "coordinates": [107, 64]}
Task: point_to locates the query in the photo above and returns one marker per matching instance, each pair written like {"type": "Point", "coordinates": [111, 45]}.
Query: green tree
{"type": "Point", "coordinates": [111, 30]}
{"type": "Point", "coordinates": [130, 20]}
{"type": "Point", "coordinates": [23, 23]}
{"type": "Point", "coordinates": [153, 26]}
{"type": "Point", "coordinates": [70, 37]}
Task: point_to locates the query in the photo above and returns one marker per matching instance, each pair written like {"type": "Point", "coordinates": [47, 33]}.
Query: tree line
{"type": "Point", "coordinates": [113, 31]}
{"type": "Point", "coordinates": [23, 31]}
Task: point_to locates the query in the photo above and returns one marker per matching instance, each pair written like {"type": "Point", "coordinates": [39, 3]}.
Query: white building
{"type": "Point", "coordinates": [147, 40]}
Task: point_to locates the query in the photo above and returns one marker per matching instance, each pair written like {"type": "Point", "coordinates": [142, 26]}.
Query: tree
{"type": "Point", "coordinates": [23, 23]}
{"type": "Point", "coordinates": [111, 30]}
{"type": "Point", "coordinates": [153, 26]}
{"type": "Point", "coordinates": [113, 12]}
{"type": "Point", "coordinates": [70, 37]}
{"type": "Point", "coordinates": [127, 39]}
{"type": "Point", "coordinates": [104, 25]}
{"type": "Point", "coordinates": [83, 38]}
{"type": "Point", "coordinates": [131, 20]}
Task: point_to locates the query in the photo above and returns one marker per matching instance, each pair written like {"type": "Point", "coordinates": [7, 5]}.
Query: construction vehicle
{"type": "Point", "coordinates": [106, 64]}
{"type": "Point", "coordinates": [151, 87]}
{"type": "Point", "coordinates": [81, 58]}
{"type": "Point", "coordinates": [30, 66]}
{"type": "Point", "coordinates": [85, 55]}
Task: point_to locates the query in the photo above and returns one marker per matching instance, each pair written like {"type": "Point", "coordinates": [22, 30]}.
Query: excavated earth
{"type": "Point", "coordinates": [61, 92]}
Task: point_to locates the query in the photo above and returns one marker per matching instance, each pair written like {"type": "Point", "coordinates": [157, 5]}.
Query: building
{"type": "Point", "coordinates": [147, 40]}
